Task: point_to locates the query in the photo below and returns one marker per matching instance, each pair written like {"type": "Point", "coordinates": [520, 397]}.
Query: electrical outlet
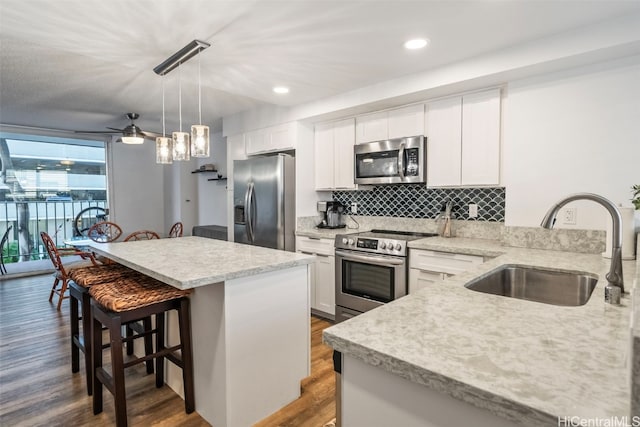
{"type": "Point", "coordinates": [569, 216]}
{"type": "Point", "coordinates": [473, 210]}
{"type": "Point", "coordinates": [354, 208]}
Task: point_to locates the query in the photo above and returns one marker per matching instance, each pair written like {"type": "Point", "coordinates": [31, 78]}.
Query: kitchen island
{"type": "Point", "coordinates": [249, 315]}
{"type": "Point", "coordinates": [449, 356]}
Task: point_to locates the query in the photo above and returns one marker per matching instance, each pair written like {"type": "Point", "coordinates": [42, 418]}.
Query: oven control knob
{"type": "Point", "coordinates": [351, 242]}
{"type": "Point", "coordinates": [398, 246]}
{"type": "Point", "coordinates": [383, 245]}
{"type": "Point", "coordinates": [344, 241]}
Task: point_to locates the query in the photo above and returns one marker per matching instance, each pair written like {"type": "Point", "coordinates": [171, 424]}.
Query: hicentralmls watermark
{"type": "Point", "coordinates": [576, 421]}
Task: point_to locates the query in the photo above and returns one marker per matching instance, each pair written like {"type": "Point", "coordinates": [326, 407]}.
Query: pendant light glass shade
{"type": "Point", "coordinates": [164, 145]}
{"type": "Point", "coordinates": [164, 150]}
{"type": "Point", "coordinates": [181, 146]}
{"type": "Point", "coordinates": [199, 141]}
{"type": "Point", "coordinates": [199, 133]}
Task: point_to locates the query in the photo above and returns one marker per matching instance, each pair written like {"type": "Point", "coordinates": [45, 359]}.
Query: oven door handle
{"type": "Point", "coordinates": [389, 262]}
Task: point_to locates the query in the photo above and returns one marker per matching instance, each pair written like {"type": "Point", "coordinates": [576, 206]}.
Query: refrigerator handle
{"type": "Point", "coordinates": [247, 212]}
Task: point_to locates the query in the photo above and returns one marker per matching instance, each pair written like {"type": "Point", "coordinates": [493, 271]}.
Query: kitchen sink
{"type": "Point", "coordinates": [564, 288]}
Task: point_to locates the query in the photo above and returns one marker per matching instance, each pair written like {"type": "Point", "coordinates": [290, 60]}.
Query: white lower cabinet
{"type": "Point", "coordinates": [428, 267]}
{"type": "Point", "coordinates": [323, 273]}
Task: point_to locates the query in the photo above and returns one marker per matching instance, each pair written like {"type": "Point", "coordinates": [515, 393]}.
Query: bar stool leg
{"type": "Point", "coordinates": [117, 364]}
{"type": "Point", "coordinates": [87, 339]}
{"type": "Point", "coordinates": [184, 320]}
{"type": "Point", "coordinates": [159, 347]}
{"type": "Point", "coordinates": [96, 338]}
{"type": "Point", "coordinates": [148, 343]}
{"type": "Point", "coordinates": [75, 332]}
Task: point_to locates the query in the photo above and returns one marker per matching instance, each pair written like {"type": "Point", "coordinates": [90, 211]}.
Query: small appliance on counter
{"type": "Point", "coordinates": [332, 214]}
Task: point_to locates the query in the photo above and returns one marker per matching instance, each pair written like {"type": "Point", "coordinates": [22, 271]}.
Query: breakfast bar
{"type": "Point", "coordinates": [249, 315]}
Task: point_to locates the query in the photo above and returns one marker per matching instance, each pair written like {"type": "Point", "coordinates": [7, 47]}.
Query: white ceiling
{"type": "Point", "coordinates": [82, 64]}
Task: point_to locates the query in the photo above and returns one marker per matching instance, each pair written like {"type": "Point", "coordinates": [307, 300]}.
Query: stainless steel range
{"type": "Point", "coordinates": [371, 269]}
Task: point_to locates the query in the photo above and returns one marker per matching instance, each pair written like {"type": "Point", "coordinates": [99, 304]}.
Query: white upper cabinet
{"type": "Point", "coordinates": [372, 127]}
{"type": "Point", "coordinates": [333, 144]}
{"type": "Point", "coordinates": [444, 148]}
{"type": "Point", "coordinates": [481, 138]}
{"type": "Point", "coordinates": [406, 121]}
{"type": "Point", "coordinates": [463, 140]}
{"type": "Point", "coordinates": [271, 139]}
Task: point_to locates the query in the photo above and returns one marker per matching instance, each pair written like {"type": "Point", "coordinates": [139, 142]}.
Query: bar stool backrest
{"type": "Point", "coordinates": [176, 230]}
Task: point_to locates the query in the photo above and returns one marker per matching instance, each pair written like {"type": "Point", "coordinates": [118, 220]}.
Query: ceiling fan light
{"type": "Point", "coordinates": [132, 139]}
{"type": "Point", "coordinates": [181, 149]}
{"type": "Point", "coordinates": [164, 150]}
{"type": "Point", "coordinates": [199, 141]}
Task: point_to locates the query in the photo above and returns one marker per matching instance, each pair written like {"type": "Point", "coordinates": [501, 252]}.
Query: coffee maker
{"type": "Point", "coordinates": [332, 214]}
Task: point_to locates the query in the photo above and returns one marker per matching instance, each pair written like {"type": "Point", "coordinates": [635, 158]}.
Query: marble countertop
{"type": "Point", "coordinates": [326, 233]}
{"type": "Point", "coordinates": [189, 262]}
{"type": "Point", "coordinates": [526, 361]}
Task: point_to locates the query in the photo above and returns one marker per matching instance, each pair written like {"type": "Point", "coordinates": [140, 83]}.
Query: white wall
{"type": "Point", "coordinates": [136, 190]}
{"type": "Point", "coordinates": [212, 203]}
{"type": "Point", "coordinates": [572, 131]}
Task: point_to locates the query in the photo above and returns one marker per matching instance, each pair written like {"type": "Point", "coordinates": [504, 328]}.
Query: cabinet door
{"type": "Point", "coordinates": [235, 151]}
{"type": "Point", "coordinates": [344, 135]}
{"type": "Point", "coordinates": [256, 141]}
{"type": "Point", "coordinates": [481, 138]}
{"type": "Point", "coordinates": [407, 121]}
{"type": "Point", "coordinates": [372, 127]}
{"type": "Point", "coordinates": [281, 137]}
{"type": "Point", "coordinates": [324, 156]}
{"type": "Point", "coordinates": [325, 284]}
{"type": "Point", "coordinates": [444, 142]}
{"type": "Point", "coordinates": [419, 279]}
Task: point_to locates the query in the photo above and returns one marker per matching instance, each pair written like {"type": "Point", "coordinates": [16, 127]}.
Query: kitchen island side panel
{"type": "Point", "coordinates": [251, 339]}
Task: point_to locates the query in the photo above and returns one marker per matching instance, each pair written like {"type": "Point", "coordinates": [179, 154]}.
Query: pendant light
{"type": "Point", "coordinates": [181, 149]}
{"type": "Point", "coordinates": [164, 145]}
{"type": "Point", "coordinates": [199, 133]}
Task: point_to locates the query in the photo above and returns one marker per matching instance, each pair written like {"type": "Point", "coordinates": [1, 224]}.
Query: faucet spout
{"type": "Point", "coordinates": [614, 277]}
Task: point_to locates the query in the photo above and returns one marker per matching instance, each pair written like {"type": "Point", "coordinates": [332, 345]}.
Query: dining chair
{"type": "Point", "coordinates": [3, 242]}
{"type": "Point", "coordinates": [142, 235]}
{"type": "Point", "coordinates": [62, 270]}
{"type": "Point", "coordinates": [104, 232]}
{"type": "Point", "coordinates": [176, 230]}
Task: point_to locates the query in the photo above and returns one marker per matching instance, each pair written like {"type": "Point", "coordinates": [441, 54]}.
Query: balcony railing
{"type": "Point", "coordinates": [55, 217]}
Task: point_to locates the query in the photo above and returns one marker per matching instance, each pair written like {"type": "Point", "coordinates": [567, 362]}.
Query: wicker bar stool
{"type": "Point", "coordinates": [81, 279]}
{"type": "Point", "coordinates": [125, 301]}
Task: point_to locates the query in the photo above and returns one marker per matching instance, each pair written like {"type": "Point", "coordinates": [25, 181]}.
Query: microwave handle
{"type": "Point", "coordinates": [401, 161]}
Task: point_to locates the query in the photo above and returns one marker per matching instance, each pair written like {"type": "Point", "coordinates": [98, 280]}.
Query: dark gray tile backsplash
{"type": "Point", "coordinates": [417, 201]}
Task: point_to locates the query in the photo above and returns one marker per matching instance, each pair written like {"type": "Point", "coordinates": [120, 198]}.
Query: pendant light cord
{"type": "Point", "coordinates": [180, 94]}
{"type": "Point", "coordinates": [199, 92]}
{"type": "Point", "coordinates": [163, 126]}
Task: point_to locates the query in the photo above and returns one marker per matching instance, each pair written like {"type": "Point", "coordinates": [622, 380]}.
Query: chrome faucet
{"type": "Point", "coordinates": [614, 277]}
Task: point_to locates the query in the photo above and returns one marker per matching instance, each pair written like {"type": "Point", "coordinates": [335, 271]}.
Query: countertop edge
{"type": "Point", "coordinates": [494, 403]}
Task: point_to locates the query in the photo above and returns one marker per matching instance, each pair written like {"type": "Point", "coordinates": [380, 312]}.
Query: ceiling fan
{"type": "Point", "coordinates": [131, 134]}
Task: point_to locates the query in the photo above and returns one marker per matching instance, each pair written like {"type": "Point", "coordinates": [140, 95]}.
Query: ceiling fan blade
{"type": "Point", "coordinates": [119, 130]}
{"type": "Point", "coordinates": [151, 135]}
{"type": "Point", "coordinates": [102, 132]}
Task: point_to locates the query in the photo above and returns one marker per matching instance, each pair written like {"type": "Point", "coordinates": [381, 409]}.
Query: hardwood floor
{"type": "Point", "coordinates": [38, 388]}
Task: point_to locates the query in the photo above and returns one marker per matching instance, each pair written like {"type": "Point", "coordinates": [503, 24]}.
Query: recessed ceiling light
{"type": "Point", "coordinates": [416, 43]}
{"type": "Point", "coordinates": [281, 89]}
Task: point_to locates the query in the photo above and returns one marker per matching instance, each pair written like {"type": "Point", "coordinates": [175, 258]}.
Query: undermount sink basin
{"type": "Point", "coordinates": [536, 284]}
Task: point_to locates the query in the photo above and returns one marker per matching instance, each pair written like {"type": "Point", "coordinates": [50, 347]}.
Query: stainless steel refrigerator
{"type": "Point", "coordinates": [264, 200]}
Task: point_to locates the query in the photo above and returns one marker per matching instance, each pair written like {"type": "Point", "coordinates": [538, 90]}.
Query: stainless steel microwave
{"type": "Point", "coordinates": [394, 161]}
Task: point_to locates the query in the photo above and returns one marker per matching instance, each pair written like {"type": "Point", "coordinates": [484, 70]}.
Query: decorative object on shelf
{"type": "Point", "coordinates": [182, 148]}
{"type": "Point", "coordinates": [164, 145]}
{"type": "Point", "coordinates": [219, 178]}
{"type": "Point", "coordinates": [636, 196]}
{"type": "Point", "coordinates": [199, 133]}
